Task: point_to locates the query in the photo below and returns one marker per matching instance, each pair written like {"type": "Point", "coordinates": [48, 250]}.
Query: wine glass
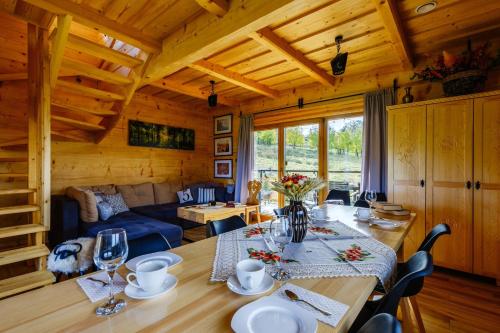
{"type": "Point", "coordinates": [281, 233]}
{"type": "Point", "coordinates": [371, 198]}
{"type": "Point", "coordinates": [110, 252]}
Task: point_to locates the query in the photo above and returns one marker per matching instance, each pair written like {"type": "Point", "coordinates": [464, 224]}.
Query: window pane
{"type": "Point", "coordinates": [266, 167]}
{"type": "Point", "coordinates": [344, 155]}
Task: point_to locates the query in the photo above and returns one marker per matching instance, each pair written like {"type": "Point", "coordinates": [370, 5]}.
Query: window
{"type": "Point", "coordinates": [266, 167]}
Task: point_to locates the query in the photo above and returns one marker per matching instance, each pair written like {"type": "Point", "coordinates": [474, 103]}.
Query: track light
{"type": "Point", "coordinates": [212, 99]}
{"type": "Point", "coordinates": [340, 61]}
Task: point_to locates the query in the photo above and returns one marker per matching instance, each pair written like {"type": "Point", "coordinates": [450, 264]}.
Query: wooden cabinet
{"type": "Point", "coordinates": [444, 164]}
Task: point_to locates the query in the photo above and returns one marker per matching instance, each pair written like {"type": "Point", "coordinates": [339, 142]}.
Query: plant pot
{"type": "Point", "coordinates": [465, 82]}
{"type": "Point", "coordinates": [299, 219]}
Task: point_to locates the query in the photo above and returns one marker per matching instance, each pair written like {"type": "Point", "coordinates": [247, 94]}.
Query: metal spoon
{"type": "Point", "coordinates": [293, 297]}
{"type": "Point", "coordinates": [104, 284]}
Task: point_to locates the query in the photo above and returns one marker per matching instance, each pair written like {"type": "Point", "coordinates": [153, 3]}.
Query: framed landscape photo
{"type": "Point", "coordinates": [144, 134]}
{"type": "Point", "coordinates": [223, 146]}
{"type": "Point", "coordinates": [223, 124]}
{"type": "Point", "coordinates": [223, 169]}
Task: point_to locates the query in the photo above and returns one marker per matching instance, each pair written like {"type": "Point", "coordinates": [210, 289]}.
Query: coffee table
{"type": "Point", "coordinates": [201, 214]}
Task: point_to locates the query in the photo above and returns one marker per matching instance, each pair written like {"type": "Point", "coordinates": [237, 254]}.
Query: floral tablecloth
{"type": "Point", "coordinates": [330, 249]}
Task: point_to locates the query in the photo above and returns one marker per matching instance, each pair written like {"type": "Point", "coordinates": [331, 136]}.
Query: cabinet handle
{"type": "Point", "coordinates": [468, 184]}
{"type": "Point", "coordinates": [478, 185]}
{"type": "Point", "coordinates": [422, 183]}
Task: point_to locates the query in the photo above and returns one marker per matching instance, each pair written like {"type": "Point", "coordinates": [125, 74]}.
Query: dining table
{"type": "Point", "coordinates": [195, 304]}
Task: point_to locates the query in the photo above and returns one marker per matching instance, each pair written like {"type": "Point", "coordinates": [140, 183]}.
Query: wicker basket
{"type": "Point", "coordinates": [463, 83]}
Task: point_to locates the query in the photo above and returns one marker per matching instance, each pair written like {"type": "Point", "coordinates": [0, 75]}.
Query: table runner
{"type": "Point", "coordinates": [330, 249]}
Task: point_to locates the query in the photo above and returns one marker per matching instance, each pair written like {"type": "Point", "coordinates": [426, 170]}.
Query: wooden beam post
{"type": "Point", "coordinates": [269, 39]}
{"type": "Point", "coordinates": [216, 7]}
{"type": "Point", "coordinates": [233, 77]}
{"type": "Point", "coordinates": [58, 46]}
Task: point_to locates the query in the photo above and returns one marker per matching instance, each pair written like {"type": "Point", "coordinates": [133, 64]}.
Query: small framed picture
{"type": "Point", "coordinates": [223, 169]}
{"type": "Point", "coordinates": [223, 146]}
{"type": "Point", "coordinates": [223, 124]}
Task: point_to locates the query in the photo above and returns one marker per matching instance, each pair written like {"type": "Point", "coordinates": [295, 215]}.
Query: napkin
{"type": "Point", "coordinates": [337, 309]}
{"type": "Point", "coordinates": [95, 291]}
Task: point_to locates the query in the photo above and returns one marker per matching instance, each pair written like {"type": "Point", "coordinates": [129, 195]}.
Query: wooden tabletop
{"type": "Point", "coordinates": [195, 305]}
{"type": "Point", "coordinates": [203, 214]}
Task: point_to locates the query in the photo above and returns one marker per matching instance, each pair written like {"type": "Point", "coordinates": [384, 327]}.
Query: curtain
{"type": "Point", "coordinates": [245, 161]}
{"type": "Point", "coordinates": [374, 162]}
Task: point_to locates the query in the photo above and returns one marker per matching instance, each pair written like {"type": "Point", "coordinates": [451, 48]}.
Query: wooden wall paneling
{"type": "Point", "coordinates": [406, 168]}
{"type": "Point", "coordinates": [449, 168]}
{"type": "Point", "coordinates": [487, 186]}
{"type": "Point", "coordinates": [58, 46]}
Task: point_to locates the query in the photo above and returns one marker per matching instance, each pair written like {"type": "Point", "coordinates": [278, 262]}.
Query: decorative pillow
{"type": "Point", "coordinates": [116, 202]}
{"type": "Point", "coordinates": [87, 202]}
{"type": "Point", "coordinates": [206, 195]}
{"type": "Point", "coordinates": [137, 195]}
{"type": "Point", "coordinates": [185, 196]}
{"type": "Point", "coordinates": [105, 210]}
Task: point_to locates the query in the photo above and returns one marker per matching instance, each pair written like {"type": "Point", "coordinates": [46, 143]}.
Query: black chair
{"type": "Point", "coordinates": [339, 195]}
{"type": "Point", "coordinates": [417, 267]}
{"type": "Point", "coordinates": [361, 202]}
{"type": "Point", "coordinates": [381, 323]}
{"type": "Point", "coordinates": [218, 227]}
{"type": "Point", "coordinates": [147, 244]}
{"type": "Point", "coordinates": [279, 211]}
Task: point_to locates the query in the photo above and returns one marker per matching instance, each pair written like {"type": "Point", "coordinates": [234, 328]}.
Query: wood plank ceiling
{"type": "Point", "coordinates": [283, 54]}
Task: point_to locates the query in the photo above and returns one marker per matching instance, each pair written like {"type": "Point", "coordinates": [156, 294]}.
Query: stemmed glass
{"type": "Point", "coordinates": [281, 233]}
{"type": "Point", "coordinates": [110, 252]}
{"type": "Point", "coordinates": [371, 198]}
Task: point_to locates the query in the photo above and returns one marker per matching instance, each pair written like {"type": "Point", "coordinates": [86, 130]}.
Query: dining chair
{"type": "Point", "coordinates": [339, 195]}
{"type": "Point", "coordinates": [381, 323]}
{"type": "Point", "coordinates": [417, 267]}
{"type": "Point", "coordinates": [217, 227]}
{"type": "Point", "coordinates": [361, 202]}
{"type": "Point", "coordinates": [147, 244]}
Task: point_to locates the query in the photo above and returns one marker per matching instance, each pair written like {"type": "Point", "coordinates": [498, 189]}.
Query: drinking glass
{"type": "Point", "coordinates": [281, 233]}
{"type": "Point", "coordinates": [371, 198]}
{"type": "Point", "coordinates": [110, 252]}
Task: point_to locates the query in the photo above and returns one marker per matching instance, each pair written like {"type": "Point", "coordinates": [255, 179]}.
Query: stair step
{"type": "Point", "coordinates": [13, 156]}
{"type": "Point", "coordinates": [24, 253]}
{"type": "Point", "coordinates": [88, 91]}
{"type": "Point", "coordinates": [11, 143]}
{"type": "Point", "coordinates": [13, 175]}
{"type": "Point", "coordinates": [79, 109]}
{"type": "Point", "coordinates": [96, 73]}
{"type": "Point", "coordinates": [18, 209]}
{"type": "Point", "coordinates": [79, 124]}
{"type": "Point", "coordinates": [18, 284]}
{"type": "Point", "coordinates": [23, 229]}
{"type": "Point", "coordinates": [17, 191]}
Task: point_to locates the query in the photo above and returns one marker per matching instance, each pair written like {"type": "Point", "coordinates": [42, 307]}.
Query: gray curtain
{"type": "Point", "coordinates": [244, 163]}
{"type": "Point", "coordinates": [374, 163]}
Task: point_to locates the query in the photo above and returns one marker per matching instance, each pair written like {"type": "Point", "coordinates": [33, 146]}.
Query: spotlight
{"type": "Point", "coordinates": [212, 99]}
{"type": "Point", "coordinates": [340, 61]}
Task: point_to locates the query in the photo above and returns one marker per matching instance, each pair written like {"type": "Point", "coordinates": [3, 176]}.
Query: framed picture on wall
{"type": "Point", "coordinates": [223, 146]}
{"type": "Point", "coordinates": [223, 169]}
{"type": "Point", "coordinates": [223, 124]}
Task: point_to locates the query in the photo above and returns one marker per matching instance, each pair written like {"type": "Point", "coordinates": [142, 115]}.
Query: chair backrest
{"type": "Point", "coordinates": [231, 223]}
{"type": "Point", "coordinates": [279, 211]}
{"type": "Point", "coordinates": [361, 202]}
{"type": "Point", "coordinates": [339, 194]}
{"type": "Point", "coordinates": [381, 323]}
{"type": "Point", "coordinates": [417, 267]}
{"type": "Point", "coordinates": [146, 244]}
{"type": "Point", "coordinates": [431, 238]}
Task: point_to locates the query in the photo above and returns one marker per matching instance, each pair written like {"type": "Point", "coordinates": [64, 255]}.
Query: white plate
{"type": "Point", "coordinates": [172, 259]}
{"type": "Point", "coordinates": [360, 219]}
{"type": "Point", "coordinates": [389, 225]}
{"type": "Point", "coordinates": [273, 314]}
{"type": "Point", "coordinates": [234, 285]}
{"type": "Point", "coordinates": [137, 293]}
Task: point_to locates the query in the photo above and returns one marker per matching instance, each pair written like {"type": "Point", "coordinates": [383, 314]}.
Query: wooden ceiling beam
{"type": "Point", "coordinates": [216, 7]}
{"type": "Point", "coordinates": [191, 90]}
{"type": "Point", "coordinates": [388, 11]}
{"type": "Point", "coordinates": [233, 77]}
{"type": "Point", "coordinates": [208, 34]}
{"type": "Point", "coordinates": [58, 46]}
{"type": "Point", "coordinates": [93, 19]}
{"type": "Point", "coordinates": [269, 39]}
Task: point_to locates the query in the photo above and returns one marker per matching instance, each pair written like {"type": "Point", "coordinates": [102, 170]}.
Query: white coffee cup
{"type": "Point", "coordinates": [149, 274]}
{"type": "Point", "coordinates": [250, 273]}
{"type": "Point", "coordinates": [363, 213]}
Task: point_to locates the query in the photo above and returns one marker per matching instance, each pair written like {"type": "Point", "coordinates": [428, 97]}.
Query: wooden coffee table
{"type": "Point", "coordinates": [204, 214]}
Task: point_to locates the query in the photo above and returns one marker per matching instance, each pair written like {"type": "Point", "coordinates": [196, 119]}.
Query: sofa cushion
{"type": "Point", "coordinates": [163, 212]}
{"type": "Point", "coordinates": [105, 210]}
{"type": "Point", "coordinates": [104, 189]}
{"type": "Point", "coordinates": [206, 195]}
{"type": "Point", "coordinates": [135, 225]}
{"type": "Point", "coordinates": [220, 194]}
{"type": "Point", "coordinates": [166, 192]}
{"type": "Point", "coordinates": [137, 195]}
{"type": "Point", "coordinates": [116, 202]}
{"type": "Point", "coordinates": [87, 202]}
{"type": "Point", "coordinates": [185, 196]}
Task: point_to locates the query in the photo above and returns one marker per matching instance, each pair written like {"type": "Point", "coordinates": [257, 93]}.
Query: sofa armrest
{"type": "Point", "coordinates": [64, 220]}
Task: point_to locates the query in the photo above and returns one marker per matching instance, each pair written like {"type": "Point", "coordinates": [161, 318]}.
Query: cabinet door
{"type": "Point", "coordinates": [449, 168]}
{"type": "Point", "coordinates": [406, 168]}
{"type": "Point", "coordinates": [487, 197]}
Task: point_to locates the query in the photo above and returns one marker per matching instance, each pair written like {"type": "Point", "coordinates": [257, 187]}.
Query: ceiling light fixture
{"type": "Point", "coordinates": [212, 99]}
{"type": "Point", "coordinates": [339, 63]}
{"type": "Point", "coordinates": [426, 7]}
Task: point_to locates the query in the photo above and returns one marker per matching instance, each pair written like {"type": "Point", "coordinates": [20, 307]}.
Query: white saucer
{"type": "Point", "coordinates": [172, 259]}
{"type": "Point", "coordinates": [137, 293]}
{"type": "Point", "coordinates": [234, 285]}
{"type": "Point", "coordinates": [273, 314]}
{"type": "Point", "coordinates": [388, 225]}
{"type": "Point", "coordinates": [360, 219]}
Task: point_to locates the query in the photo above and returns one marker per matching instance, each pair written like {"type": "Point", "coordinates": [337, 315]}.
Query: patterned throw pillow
{"type": "Point", "coordinates": [116, 202]}
{"type": "Point", "coordinates": [105, 210]}
{"type": "Point", "coordinates": [185, 196]}
{"type": "Point", "coordinates": [206, 195]}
